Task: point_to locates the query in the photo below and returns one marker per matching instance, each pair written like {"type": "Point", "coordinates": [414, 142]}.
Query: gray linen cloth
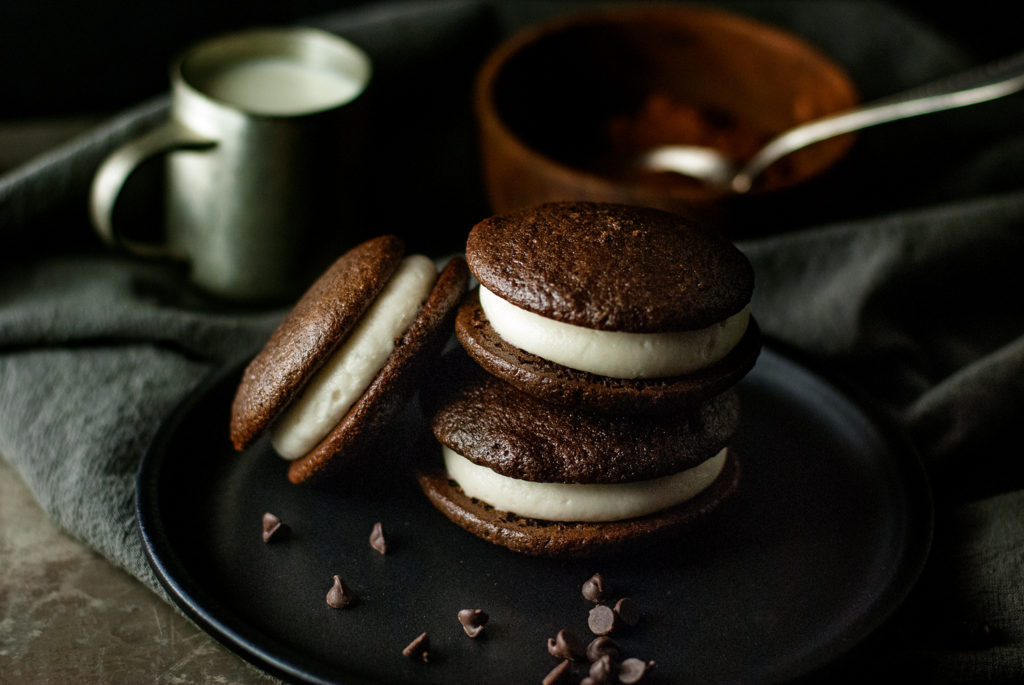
{"type": "Point", "coordinates": [908, 287]}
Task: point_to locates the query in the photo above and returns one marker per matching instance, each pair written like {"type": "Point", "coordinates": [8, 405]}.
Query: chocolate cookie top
{"type": "Point", "coordinates": [577, 539]}
{"type": "Point", "coordinates": [319, 322]}
{"type": "Point", "coordinates": [495, 425]}
{"type": "Point", "coordinates": [610, 267]}
{"type": "Point", "coordinates": [559, 384]}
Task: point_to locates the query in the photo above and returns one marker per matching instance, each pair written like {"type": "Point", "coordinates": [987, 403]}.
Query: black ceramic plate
{"type": "Point", "coordinates": [824, 539]}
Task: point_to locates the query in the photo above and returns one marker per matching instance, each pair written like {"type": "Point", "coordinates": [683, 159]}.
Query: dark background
{"type": "Point", "coordinates": [71, 66]}
{"type": "Point", "coordinates": [67, 57]}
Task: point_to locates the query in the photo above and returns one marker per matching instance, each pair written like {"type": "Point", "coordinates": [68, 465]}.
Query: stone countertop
{"type": "Point", "coordinates": [69, 616]}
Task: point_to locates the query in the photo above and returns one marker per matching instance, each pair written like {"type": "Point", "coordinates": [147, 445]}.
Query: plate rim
{"type": "Point", "coordinates": [204, 609]}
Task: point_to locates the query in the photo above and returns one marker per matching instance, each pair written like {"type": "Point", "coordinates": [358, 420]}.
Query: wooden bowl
{"type": "Point", "coordinates": [563, 106]}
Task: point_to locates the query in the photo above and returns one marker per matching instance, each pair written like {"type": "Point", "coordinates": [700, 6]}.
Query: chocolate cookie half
{"type": "Point", "coordinates": [347, 357]}
{"type": "Point", "coordinates": [621, 309]}
{"type": "Point", "coordinates": [549, 480]}
{"type": "Point", "coordinates": [610, 267]}
{"type": "Point", "coordinates": [570, 539]}
{"type": "Point", "coordinates": [560, 384]}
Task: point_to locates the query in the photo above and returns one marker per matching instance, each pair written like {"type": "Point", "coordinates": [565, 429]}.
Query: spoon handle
{"type": "Point", "coordinates": [979, 84]}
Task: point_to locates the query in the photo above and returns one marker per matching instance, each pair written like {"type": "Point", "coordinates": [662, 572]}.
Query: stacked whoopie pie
{"type": "Point", "coordinates": [596, 404]}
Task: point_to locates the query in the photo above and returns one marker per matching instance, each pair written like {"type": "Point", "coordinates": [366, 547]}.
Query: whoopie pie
{"type": "Point", "coordinates": [616, 308]}
{"type": "Point", "coordinates": [348, 356]}
{"type": "Point", "coordinates": [559, 481]}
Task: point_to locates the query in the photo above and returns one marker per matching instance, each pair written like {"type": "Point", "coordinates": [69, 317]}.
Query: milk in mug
{"type": "Point", "coordinates": [280, 86]}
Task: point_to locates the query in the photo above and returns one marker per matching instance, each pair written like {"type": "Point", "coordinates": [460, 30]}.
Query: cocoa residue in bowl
{"type": "Point", "coordinates": [662, 120]}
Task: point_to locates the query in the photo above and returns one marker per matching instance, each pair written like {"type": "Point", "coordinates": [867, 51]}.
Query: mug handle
{"type": "Point", "coordinates": [118, 167]}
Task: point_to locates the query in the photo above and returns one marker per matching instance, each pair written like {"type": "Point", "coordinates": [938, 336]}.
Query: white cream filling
{"type": "Point", "coordinates": [354, 365]}
{"type": "Point", "coordinates": [581, 502]}
{"type": "Point", "coordinates": [617, 354]}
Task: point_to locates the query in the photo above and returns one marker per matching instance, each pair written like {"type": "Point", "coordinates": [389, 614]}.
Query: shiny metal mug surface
{"type": "Point", "coordinates": [262, 161]}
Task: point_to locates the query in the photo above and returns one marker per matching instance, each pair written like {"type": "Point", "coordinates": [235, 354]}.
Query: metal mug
{"type": "Point", "coordinates": [262, 161]}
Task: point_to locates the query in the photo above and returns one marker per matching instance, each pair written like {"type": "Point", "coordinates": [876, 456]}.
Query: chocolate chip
{"type": "Point", "coordinates": [339, 596]}
{"type": "Point", "coordinates": [565, 645]}
{"type": "Point", "coordinates": [273, 529]}
{"type": "Point", "coordinates": [593, 589]}
{"type": "Point", "coordinates": [377, 540]}
{"type": "Point", "coordinates": [418, 648]}
{"type": "Point", "coordinates": [602, 645]}
{"type": "Point", "coordinates": [473, 621]}
{"type": "Point", "coordinates": [626, 610]}
{"type": "Point", "coordinates": [632, 670]}
{"type": "Point", "coordinates": [601, 620]}
{"type": "Point", "coordinates": [558, 675]}
{"type": "Point", "coordinates": [602, 670]}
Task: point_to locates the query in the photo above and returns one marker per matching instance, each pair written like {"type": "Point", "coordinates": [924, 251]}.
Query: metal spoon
{"type": "Point", "coordinates": [979, 84]}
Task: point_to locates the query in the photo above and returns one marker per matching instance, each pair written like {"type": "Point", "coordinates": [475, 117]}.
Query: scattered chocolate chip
{"type": "Point", "coordinates": [632, 670]}
{"type": "Point", "coordinates": [558, 675]}
{"type": "Point", "coordinates": [377, 540]}
{"type": "Point", "coordinates": [418, 648]}
{"type": "Point", "coordinates": [602, 670]}
{"type": "Point", "coordinates": [565, 645]}
{"type": "Point", "coordinates": [602, 645]}
{"type": "Point", "coordinates": [273, 529]}
{"type": "Point", "coordinates": [593, 589]}
{"type": "Point", "coordinates": [339, 596]}
{"type": "Point", "coordinates": [601, 620]}
{"type": "Point", "coordinates": [473, 621]}
{"type": "Point", "coordinates": [626, 610]}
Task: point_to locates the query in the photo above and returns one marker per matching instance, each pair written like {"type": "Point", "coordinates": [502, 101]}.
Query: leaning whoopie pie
{"type": "Point", "coordinates": [558, 481]}
{"type": "Point", "coordinates": [347, 357]}
{"type": "Point", "coordinates": [616, 308]}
